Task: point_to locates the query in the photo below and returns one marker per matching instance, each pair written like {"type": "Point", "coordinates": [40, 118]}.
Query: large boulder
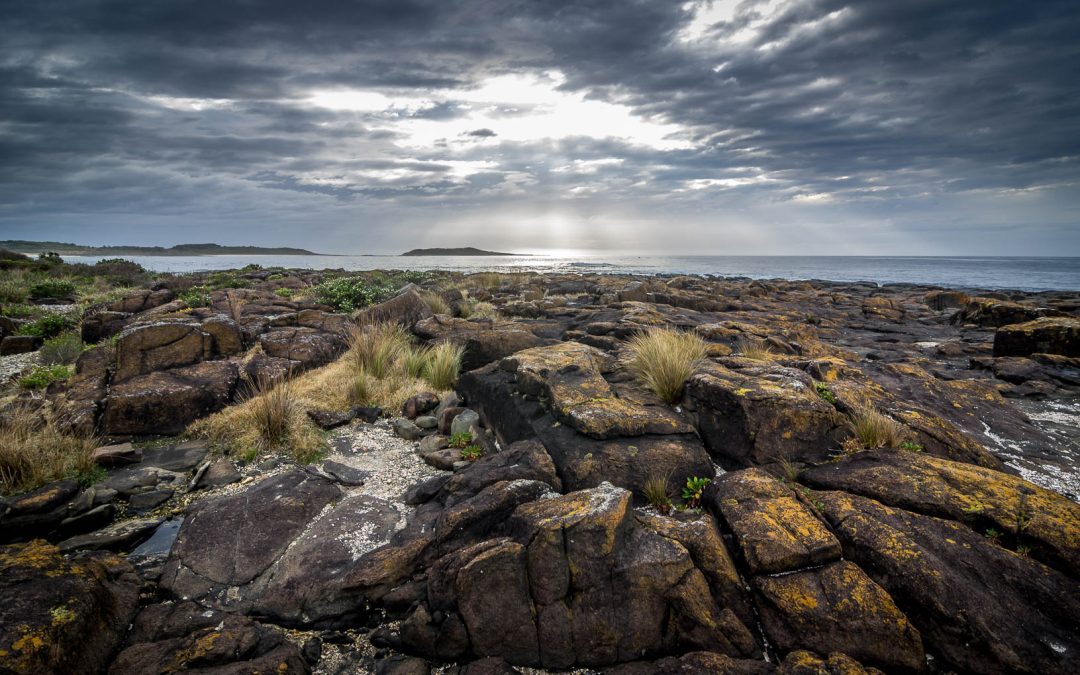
{"type": "Point", "coordinates": [165, 402]}
{"type": "Point", "coordinates": [774, 530]}
{"type": "Point", "coordinates": [1044, 522]}
{"type": "Point", "coordinates": [579, 583]}
{"type": "Point", "coordinates": [404, 309]}
{"type": "Point", "coordinates": [308, 347]}
{"type": "Point", "coordinates": [993, 312]}
{"type": "Point", "coordinates": [1049, 335]}
{"type": "Point", "coordinates": [979, 607]}
{"type": "Point", "coordinates": [837, 608]}
{"type": "Point", "coordinates": [141, 300]}
{"type": "Point", "coordinates": [102, 325]}
{"type": "Point", "coordinates": [60, 615]}
{"type": "Point", "coordinates": [760, 413]}
{"type": "Point", "coordinates": [147, 348]}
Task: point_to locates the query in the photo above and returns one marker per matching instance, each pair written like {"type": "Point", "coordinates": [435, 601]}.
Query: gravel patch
{"type": "Point", "coordinates": [13, 365]}
{"type": "Point", "coordinates": [392, 463]}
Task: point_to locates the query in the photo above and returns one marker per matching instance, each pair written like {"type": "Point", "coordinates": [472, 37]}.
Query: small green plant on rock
{"type": "Point", "coordinates": [911, 446]}
{"type": "Point", "coordinates": [471, 453]}
{"type": "Point", "coordinates": [462, 439]}
{"type": "Point", "coordinates": [196, 296]}
{"type": "Point", "coordinates": [825, 393]}
{"type": "Point", "coordinates": [993, 535]}
{"type": "Point", "coordinates": [657, 491]}
{"type": "Point", "coordinates": [695, 486]}
{"type": "Point", "coordinates": [64, 348]}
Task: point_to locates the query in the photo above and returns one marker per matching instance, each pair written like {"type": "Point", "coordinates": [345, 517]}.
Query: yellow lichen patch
{"type": "Point", "coordinates": [37, 554]}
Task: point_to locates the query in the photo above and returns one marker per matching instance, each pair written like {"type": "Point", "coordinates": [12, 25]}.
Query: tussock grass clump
{"type": "Point", "coordinates": [488, 280]}
{"type": "Point", "coordinates": [873, 429]}
{"type": "Point", "coordinates": [470, 308]}
{"type": "Point", "coordinates": [657, 491]}
{"type": "Point", "coordinates": [435, 302]}
{"type": "Point", "coordinates": [759, 350]}
{"type": "Point", "coordinates": [33, 451]}
{"type": "Point", "coordinates": [443, 365]}
{"type": "Point", "coordinates": [414, 360]}
{"type": "Point", "coordinates": [64, 348]}
{"type": "Point", "coordinates": [376, 348]}
{"type": "Point", "coordinates": [664, 359]}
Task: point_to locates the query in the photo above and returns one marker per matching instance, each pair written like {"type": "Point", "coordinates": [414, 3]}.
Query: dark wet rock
{"type": "Point", "coordinates": [696, 663]}
{"type": "Point", "coordinates": [19, 344]}
{"type": "Point", "coordinates": [40, 512]}
{"type": "Point", "coordinates": [165, 402]}
{"type": "Point", "coordinates": [524, 460]}
{"type": "Point", "coordinates": [775, 531]}
{"type": "Point", "coordinates": [837, 608]}
{"type": "Point", "coordinates": [979, 607]}
{"type": "Point", "coordinates": [492, 665]}
{"type": "Point", "coordinates": [117, 455]}
{"type": "Point", "coordinates": [419, 404]}
{"type": "Point", "coordinates": [402, 665]}
{"type": "Point", "coordinates": [1058, 335]}
{"type": "Point", "coordinates": [802, 662]}
{"type": "Point", "coordinates": [235, 646]}
{"type": "Point", "coordinates": [369, 414]}
{"type": "Point", "coordinates": [60, 615]}
{"type": "Point", "coordinates": [405, 309]}
{"type": "Point", "coordinates": [761, 413]}
{"type": "Point", "coordinates": [122, 536]}
{"type": "Point", "coordinates": [180, 457]}
{"type": "Point", "coordinates": [147, 348]}
{"type": "Point", "coordinates": [102, 325]}
{"type": "Point", "coordinates": [1044, 521]}
{"type": "Point", "coordinates": [146, 501]}
{"type": "Point", "coordinates": [942, 300]}
{"type": "Point", "coordinates": [331, 419]}
{"type": "Point", "coordinates": [343, 473]}
{"type": "Point", "coordinates": [229, 541]}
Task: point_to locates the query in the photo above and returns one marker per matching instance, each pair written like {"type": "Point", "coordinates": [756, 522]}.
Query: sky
{"type": "Point", "coordinates": [830, 127]}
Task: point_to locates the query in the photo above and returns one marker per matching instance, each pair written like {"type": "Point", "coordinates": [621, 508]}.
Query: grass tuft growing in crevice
{"type": "Point", "coordinates": [663, 360]}
{"type": "Point", "coordinates": [755, 349]}
{"type": "Point", "coordinates": [874, 429]}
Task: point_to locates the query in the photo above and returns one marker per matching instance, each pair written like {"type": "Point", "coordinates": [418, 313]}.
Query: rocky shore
{"type": "Point", "coordinates": [785, 539]}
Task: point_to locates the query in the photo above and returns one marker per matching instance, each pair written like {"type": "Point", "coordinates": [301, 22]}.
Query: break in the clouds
{"type": "Point", "coordinates": [772, 126]}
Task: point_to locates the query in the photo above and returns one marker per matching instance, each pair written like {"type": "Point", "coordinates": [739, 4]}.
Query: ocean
{"type": "Point", "coordinates": [1004, 273]}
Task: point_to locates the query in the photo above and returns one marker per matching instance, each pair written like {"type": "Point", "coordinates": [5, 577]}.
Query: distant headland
{"type": "Point", "coordinates": [468, 250]}
{"type": "Point", "coordinates": [33, 247]}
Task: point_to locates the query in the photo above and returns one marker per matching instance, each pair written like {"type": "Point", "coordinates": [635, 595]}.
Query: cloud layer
{"type": "Point", "coordinates": [809, 126]}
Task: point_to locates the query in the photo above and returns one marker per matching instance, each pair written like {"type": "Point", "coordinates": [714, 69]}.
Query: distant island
{"type": "Point", "coordinates": [468, 250]}
{"type": "Point", "coordinates": [35, 247]}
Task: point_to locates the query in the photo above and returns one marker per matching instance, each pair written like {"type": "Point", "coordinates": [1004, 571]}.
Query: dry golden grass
{"type": "Point", "coordinates": [376, 348]}
{"type": "Point", "coordinates": [435, 302]}
{"type": "Point", "coordinates": [753, 348]}
{"type": "Point", "coordinates": [33, 452]}
{"type": "Point", "coordinates": [664, 359]}
{"type": "Point", "coordinates": [873, 429]}
{"type": "Point", "coordinates": [488, 280]}
{"type": "Point", "coordinates": [443, 365]}
{"type": "Point", "coordinates": [471, 308]}
{"type": "Point", "coordinates": [414, 360]}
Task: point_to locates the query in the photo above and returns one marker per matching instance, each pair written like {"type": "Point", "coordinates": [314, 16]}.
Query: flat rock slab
{"type": "Point", "coordinates": [837, 608]}
{"type": "Point", "coordinates": [182, 457]}
{"type": "Point", "coordinates": [1044, 521]}
{"type": "Point", "coordinates": [117, 537]}
{"type": "Point", "coordinates": [775, 531]}
{"type": "Point", "coordinates": [229, 541]}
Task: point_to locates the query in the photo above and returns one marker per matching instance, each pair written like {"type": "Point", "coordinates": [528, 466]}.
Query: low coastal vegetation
{"type": "Point", "coordinates": [874, 429]}
{"type": "Point", "coordinates": [33, 451]}
{"type": "Point", "coordinates": [664, 359]}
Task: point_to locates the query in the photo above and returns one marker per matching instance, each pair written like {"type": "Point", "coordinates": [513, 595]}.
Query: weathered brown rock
{"type": "Point", "coordinates": [165, 402]}
{"type": "Point", "coordinates": [147, 348]}
{"type": "Point", "coordinates": [404, 309]}
{"type": "Point", "coordinates": [761, 413]}
{"type": "Point", "coordinates": [1044, 521]}
{"type": "Point", "coordinates": [837, 608]}
{"type": "Point", "coordinates": [775, 531]}
{"type": "Point", "coordinates": [1048, 335]}
{"type": "Point", "coordinates": [483, 342]}
{"type": "Point", "coordinates": [980, 608]}
{"type": "Point", "coordinates": [307, 347]}
{"type": "Point", "coordinates": [59, 615]}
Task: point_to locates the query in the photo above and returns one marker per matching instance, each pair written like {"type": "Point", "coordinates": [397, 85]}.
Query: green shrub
{"type": "Point", "coordinates": [52, 288]}
{"type": "Point", "coordinates": [911, 446]}
{"type": "Point", "coordinates": [220, 281]}
{"type": "Point", "coordinates": [120, 272]}
{"type": "Point", "coordinates": [196, 296]}
{"type": "Point", "coordinates": [695, 486]}
{"type": "Point", "coordinates": [64, 348]}
{"type": "Point", "coordinates": [462, 439]}
{"type": "Point", "coordinates": [42, 376]}
{"type": "Point", "coordinates": [348, 294]}
{"type": "Point", "coordinates": [47, 326]}
{"type": "Point", "coordinates": [284, 293]}
{"type": "Point", "coordinates": [471, 453]}
{"type": "Point", "coordinates": [825, 393]}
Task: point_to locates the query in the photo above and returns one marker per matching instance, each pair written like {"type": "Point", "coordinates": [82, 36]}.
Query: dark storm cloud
{"type": "Point", "coordinates": [204, 107]}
